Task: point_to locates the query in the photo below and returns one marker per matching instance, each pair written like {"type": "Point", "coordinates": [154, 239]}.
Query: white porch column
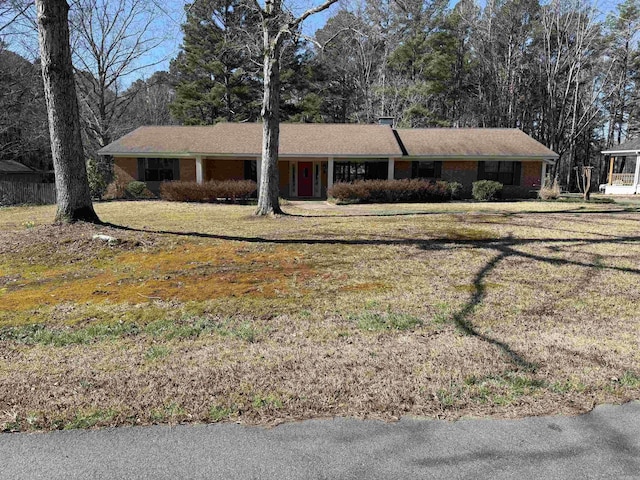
{"type": "Point", "coordinates": [392, 169]}
{"type": "Point", "coordinates": [258, 170]}
{"type": "Point", "coordinates": [199, 169]}
{"type": "Point", "coordinates": [636, 177]}
{"type": "Point", "coordinates": [330, 174]}
{"type": "Point", "coordinates": [543, 175]}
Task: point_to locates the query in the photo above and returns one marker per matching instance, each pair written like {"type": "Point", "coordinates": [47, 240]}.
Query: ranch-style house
{"type": "Point", "coordinates": [312, 157]}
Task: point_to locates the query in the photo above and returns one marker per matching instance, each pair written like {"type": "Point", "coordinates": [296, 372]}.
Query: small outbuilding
{"type": "Point", "coordinates": [12, 171]}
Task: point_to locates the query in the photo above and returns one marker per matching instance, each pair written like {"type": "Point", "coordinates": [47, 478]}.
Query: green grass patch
{"type": "Point", "coordinates": [62, 337]}
{"type": "Point", "coordinates": [261, 401]}
{"type": "Point", "coordinates": [567, 386]}
{"type": "Point", "coordinates": [217, 413]}
{"type": "Point", "coordinates": [629, 379]}
{"type": "Point", "coordinates": [166, 329]}
{"type": "Point", "coordinates": [157, 352]}
{"type": "Point", "coordinates": [91, 419]}
{"type": "Point", "coordinates": [497, 390]}
{"type": "Point", "coordinates": [169, 412]}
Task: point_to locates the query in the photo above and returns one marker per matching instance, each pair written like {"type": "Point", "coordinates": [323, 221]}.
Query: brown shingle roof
{"type": "Point", "coordinates": [472, 142]}
{"type": "Point", "coordinates": [296, 139]}
{"type": "Point", "coordinates": [626, 147]}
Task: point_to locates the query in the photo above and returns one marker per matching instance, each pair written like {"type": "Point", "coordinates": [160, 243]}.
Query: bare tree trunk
{"type": "Point", "coordinates": [269, 190]}
{"type": "Point", "coordinates": [72, 187]}
{"type": "Point", "coordinates": [276, 26]}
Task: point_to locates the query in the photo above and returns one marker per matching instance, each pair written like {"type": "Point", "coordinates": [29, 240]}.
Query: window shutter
{"type": "Point", "coordinates": [176, 169]}
{"type": "Point", "coordinates": [437, 169]}
{"type": "Point", "coordinates": [414, 169]}
{"type": "Point", "coordinates": [141, 169]}
{"type": "Point", "coordinates": [480, 170]}
{"type": "Point", "coordinates": [517, 172]}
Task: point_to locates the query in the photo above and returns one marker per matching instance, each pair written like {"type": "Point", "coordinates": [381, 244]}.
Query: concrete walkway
{"type": "Point", "coordinates": [602, 444]}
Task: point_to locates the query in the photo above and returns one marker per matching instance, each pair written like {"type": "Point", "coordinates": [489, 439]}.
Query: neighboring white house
{"type": "Point", "coordinates": [624, 168]}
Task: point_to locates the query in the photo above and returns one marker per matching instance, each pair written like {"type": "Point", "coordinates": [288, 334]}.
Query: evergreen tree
{"type": "Point", "coordinates": [217, 79]}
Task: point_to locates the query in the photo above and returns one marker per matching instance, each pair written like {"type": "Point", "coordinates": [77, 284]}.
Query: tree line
{"type": "Point", "coordinates": [562, 71]}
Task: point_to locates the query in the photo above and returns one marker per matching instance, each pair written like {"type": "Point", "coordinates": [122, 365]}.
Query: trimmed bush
{"type": "Point", "coordinates": [391, 191]}
{"type": "Point", "coordinates": [486, 190]}
{"type": "Point", "coordinates": [229, 190]}
{"type": "Point", "coordinates": [137, 189]}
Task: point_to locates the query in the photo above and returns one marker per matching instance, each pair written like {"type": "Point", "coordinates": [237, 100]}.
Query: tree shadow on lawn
{"type": "Point", "coordinates": [505, 248]}
{"type": "Point", "coordinates": [580, 210]}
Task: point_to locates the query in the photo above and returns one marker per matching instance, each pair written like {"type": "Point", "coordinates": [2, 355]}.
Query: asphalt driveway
{"type": "Point", "coordinates": [602, 444]}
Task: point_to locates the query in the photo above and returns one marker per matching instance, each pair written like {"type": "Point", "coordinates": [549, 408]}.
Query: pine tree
{"type": "Point", "coordinates": [217, 79]}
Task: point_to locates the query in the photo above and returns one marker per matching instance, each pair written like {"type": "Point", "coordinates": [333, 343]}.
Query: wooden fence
{"type": "Point", "coordinates": [15, 193]}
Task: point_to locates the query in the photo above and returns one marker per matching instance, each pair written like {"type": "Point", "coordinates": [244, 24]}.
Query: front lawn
{"type": "Point", "coordinates": [205, 313]}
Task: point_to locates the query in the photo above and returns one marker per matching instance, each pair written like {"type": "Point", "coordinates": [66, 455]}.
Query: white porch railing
{"type": "Point", "coordinates": [622, 179]}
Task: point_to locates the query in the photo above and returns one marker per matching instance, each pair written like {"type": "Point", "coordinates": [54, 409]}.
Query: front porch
{"type": "Point", "coordinates": [299, 177]}
{"type": "Point", "coordinates": [624, 174]}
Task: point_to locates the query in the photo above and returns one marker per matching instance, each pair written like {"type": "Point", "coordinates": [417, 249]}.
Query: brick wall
{"type": "Point", "coordinates": [464, 172]}
{"type": "Point", "coordinates": [188, 169]}
{"type": "Point", "coordinates": [283, 172]}
{"type": "Point", "coordinates": [126, 169]}
{"type": "Point", "coordinates": [217, 169]}
{"type": "Point", "coordinates": [531, 174]}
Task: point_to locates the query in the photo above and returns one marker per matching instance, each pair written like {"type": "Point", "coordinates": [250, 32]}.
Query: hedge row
{"type": "Point", "coordinates": [394, 191]}
{"type": "Point", "coordinates": [230, 190]}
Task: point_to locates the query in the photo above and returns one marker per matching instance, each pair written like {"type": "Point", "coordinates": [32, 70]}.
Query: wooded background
{"type": "Point", "coordinates": [563, 71]}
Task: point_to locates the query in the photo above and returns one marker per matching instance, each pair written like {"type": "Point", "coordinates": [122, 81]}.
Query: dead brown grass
{"type": "Point", "coordinates": [443, 311]}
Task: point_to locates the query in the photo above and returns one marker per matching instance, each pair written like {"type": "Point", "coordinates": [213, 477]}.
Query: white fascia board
{"type": "Point", "coordinates": [149, 155]}
{"type": "Point", "coordinates": [381, 156]}
{"type": "Point", "coordinates": [459, 158]}
{"type": "Point", "coordinates": [376, 157]}
{"type": "Point", "coordinates": [621, 152]}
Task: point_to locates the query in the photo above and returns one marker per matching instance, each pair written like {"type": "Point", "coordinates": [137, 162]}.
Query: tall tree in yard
{"type": "Point", "coordinates": [74, 199]}
{"type": "Point", "coordinates": [110, 39]}
{"type": "Point", "coordinates": [278, 25]}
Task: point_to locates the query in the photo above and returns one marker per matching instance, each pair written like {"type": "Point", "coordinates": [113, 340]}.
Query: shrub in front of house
{"type": "Point", "coordinates": [456, 190]}
{"type": "Point", "coordinates": [390, 191]}
{"type": "Point", "coordinates": [224, 190]}
{"type": "Point", "coordinates": [138, 189]}
{"type": "Point", "coordinates": [486, 190]}
{"type": "Point", "coordinates": [121, 189]}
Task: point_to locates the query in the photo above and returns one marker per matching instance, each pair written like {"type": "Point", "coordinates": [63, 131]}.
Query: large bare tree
{"type": "Point", "coordinates": [111, 40]}
{"type": "Point", "coordinates": [278, 25]}
{"type": "Point", "coordinates": [74, 199]}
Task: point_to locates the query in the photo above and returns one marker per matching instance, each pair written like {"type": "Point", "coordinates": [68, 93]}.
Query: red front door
{"type": "Point", "coordinates": [305, 179]}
